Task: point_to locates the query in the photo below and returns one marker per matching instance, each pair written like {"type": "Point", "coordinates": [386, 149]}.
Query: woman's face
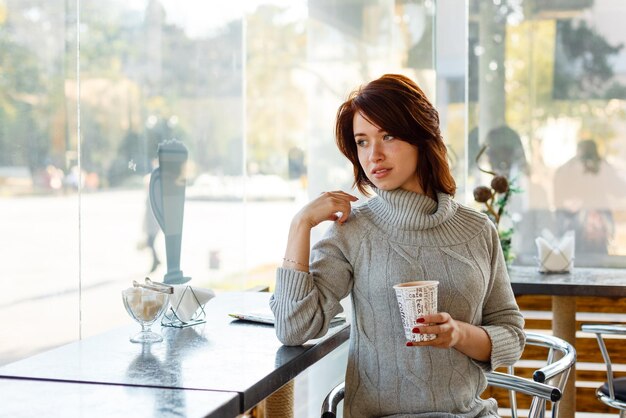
{"type": "Point", "coordinates": [388, 162]}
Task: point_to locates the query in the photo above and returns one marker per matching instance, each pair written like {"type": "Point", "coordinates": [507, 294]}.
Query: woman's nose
{"type": "Point", "coordinates": [376, 153]}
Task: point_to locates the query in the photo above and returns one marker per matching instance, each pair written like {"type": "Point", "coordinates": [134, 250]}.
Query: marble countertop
{"type": "Point", "coordinates": [224, 354]}
{"type": "Point", "coordinates": [24, 398]}
{"type": "Point", "coordinates": [580, 281]}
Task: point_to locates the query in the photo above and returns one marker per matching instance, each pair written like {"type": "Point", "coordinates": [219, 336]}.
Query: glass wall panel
{"type": "Point", "coordinates": [38, 192]}
{"type": "Point", "coordinates": [153, 71]}
{"type": "Point", "coordinates": [450, 54]}
{"type": "Point", "coordinates": [276, 133]}
{"type": "Point", "coordinates": [547, 89]}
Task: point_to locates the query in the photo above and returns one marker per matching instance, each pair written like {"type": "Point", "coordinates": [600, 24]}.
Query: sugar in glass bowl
{"type": "Point", "coordinates": [145, 306]}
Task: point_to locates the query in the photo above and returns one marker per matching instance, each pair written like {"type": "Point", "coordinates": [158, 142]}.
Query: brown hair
{"type": "Point", "coordinates": [397, 105]}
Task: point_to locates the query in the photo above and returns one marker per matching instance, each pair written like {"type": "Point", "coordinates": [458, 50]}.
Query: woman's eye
{"type": "Point", "coordinates": [361, 142]}
{"type": "Point", "coordinates": [388, 137]}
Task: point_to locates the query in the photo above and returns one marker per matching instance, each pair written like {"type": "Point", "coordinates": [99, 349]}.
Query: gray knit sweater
{"type": "Point", "coordinates": [401, 236]}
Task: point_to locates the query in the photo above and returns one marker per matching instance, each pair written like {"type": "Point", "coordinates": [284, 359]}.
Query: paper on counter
{"type": "Point", "coordinates": [267, 317]}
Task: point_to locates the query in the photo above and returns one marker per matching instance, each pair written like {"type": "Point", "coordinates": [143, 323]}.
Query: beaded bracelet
{"type": "Point", "coordinates": [295, 262]}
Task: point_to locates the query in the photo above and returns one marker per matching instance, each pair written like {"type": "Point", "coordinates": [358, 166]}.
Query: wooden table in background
{"type": "Point", "coordinates": [564, 288]}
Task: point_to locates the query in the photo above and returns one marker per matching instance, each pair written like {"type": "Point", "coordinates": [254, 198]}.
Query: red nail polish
{"type": "Point", "coordinates": [416, 330]}
{"type": "Point", "coordinates": [419, 320]}
{"type": "Point", "coordinates": [409, 344]}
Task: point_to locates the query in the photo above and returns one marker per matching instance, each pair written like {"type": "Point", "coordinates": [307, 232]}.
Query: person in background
{"type": "Point", "coordinates": [586, 188]}
{"type": "Point", "coordinates": [505, 152]}
{"type": "Point", "coordinates": [529, 206]}
{"type": "Point", "coordinates": [411, 230]}
{"type": "Point", "coordinates": [150, 226]}
{"type": "Point", "coordinates": [151, 229]}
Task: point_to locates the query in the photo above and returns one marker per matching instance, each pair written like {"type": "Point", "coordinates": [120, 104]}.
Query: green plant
{"type": "Point", "coordinates": [495, 198]}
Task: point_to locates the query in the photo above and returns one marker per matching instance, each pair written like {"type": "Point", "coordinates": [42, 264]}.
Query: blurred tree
{"type": "Point", "coordinates": [137, 65]}
{"type": "Point", "coordinates": [22, 92]}
{"type": "Point", "coordinates": [582, 67]}
{"type": "Point", "coordinates": [276, 51]}
{"type": "Point", "coordinates": [539, 87]}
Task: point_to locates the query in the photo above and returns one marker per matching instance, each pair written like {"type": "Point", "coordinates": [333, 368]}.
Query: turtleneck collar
{"type": "Point", "coordinates": [408, 210]}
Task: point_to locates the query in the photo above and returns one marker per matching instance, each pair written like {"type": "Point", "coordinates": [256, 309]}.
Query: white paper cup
{"type": "Point", "coordinates": [416, 299]}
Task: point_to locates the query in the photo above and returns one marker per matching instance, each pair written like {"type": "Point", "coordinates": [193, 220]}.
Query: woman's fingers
{"type": "Point", "coordinates": [347, 195]}
{"type": "Point", "coordinates": [441, 325]}
{"type": "Point", "coordinates": [436, 318]}
{"type": "Point", "coordinates": [339, 203]}
{"type": "Point", "coordinates": [328, 206]}
{"type": "Point", "coordinates": [339, 196]}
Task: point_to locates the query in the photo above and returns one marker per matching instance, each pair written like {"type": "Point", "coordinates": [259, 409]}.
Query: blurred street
{"type": "Point", "coordinates": [39, 243]}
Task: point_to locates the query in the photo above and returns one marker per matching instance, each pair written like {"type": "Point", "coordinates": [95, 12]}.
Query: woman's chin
{"type": "Point", "coordinates": [389, 188]}
{"type": "Point", "coordinates": [383, 186]}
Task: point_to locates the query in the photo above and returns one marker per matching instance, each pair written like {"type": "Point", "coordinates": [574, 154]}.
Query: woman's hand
{"type": "Point", "coordinates": [329, 206]}
{"type": "Point", "coordinates": [447, 330]}
{"type": "Point", "coordinates": [466, 338]}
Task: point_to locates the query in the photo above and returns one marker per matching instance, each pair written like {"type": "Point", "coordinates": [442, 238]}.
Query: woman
{"type": "Point", "coordinates": [412, 230]}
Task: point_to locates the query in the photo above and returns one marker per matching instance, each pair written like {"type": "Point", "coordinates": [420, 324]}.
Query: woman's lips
{"type": "Point", "coordinates": [381, 172]}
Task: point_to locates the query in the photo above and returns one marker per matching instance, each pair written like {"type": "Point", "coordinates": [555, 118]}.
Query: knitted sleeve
{"type": "Point", "coordinates": [502, 319]}
{"type": "Point", "coordinates": [304, 303]}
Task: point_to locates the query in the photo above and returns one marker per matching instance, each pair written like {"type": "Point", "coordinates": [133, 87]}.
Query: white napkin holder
{"type": "Point", "coordinates": [555, 255]}
{"type": "Point", "coordinates": [186, 306]}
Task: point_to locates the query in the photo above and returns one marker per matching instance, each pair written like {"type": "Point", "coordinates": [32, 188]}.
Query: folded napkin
{"type": "Point", "coordinates": [186, 300]}
{"type": "Point", "coordinates": [555, 255]}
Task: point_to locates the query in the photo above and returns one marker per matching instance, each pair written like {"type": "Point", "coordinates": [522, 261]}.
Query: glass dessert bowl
{"type": "Point", "coordinates": [145, 306]}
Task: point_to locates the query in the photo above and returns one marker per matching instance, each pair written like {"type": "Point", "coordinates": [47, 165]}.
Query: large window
{"type": "Point", "coordinates": [547, 95]}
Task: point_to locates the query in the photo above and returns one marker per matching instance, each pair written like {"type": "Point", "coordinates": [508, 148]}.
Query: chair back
{"type": "Point", "coordinates": [548, 382]}
{"type": "Point", "coordinates": [336, 395]}
{"type": "Point", "coordinates": [610, 399]}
